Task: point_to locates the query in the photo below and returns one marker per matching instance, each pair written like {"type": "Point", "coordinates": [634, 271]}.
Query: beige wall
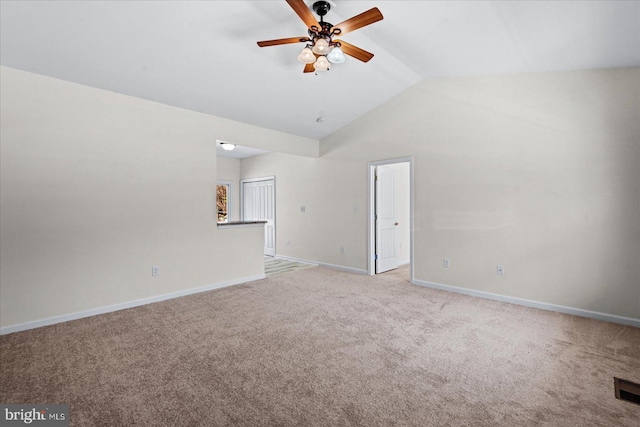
{"type": "Point", "coordinates": [334, 214]}
{"type": "Point", "coordinates": [229, 170]}
{"type": "Point", "coordinates": [537, 172]}
{"type": "Point", "coordinates": [97, 187]}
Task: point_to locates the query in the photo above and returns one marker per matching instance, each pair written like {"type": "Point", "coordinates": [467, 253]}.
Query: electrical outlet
{"type": "Point", "coordinates": [446, 262]}
{"type": "Point", "coordinates": [342, 250]}
{"type": "Point", "coordinates": [155, 271]}
{"type": "Point", "coordinates": [303, 209]}
{"type": "Point", "coordinates": [288, 242]}
{"type": "Point", "coordinates": [500, 270]}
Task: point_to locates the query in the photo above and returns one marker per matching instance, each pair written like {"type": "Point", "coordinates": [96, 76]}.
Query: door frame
{"type": "Point", "coordinates": [241, 205]}
{"type": "Point", "coordinates": [371, 222]}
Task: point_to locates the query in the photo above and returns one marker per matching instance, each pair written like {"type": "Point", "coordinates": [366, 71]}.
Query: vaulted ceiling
{"type": "Point", "coordinates": [202, 55]}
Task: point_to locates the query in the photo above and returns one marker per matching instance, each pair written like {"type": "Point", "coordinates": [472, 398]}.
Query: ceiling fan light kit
{"type": "Point", "coordinates": [322, 49]}
{"type": "Point", "coordinates": [322, 64]}
{"type": "Point", "coordinates": [336, 56]}
{"type": "Point", "coordinates": [307, 56]}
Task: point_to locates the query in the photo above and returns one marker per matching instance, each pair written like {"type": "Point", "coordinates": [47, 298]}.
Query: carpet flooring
{"type": "Point", "coordinates": [318, 347]}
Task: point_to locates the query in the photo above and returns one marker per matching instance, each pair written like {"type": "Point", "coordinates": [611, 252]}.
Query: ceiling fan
{"type": "Point", "coordinates": [322, 49]}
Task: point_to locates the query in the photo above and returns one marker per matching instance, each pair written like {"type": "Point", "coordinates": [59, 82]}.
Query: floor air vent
{"type": "Point", "coordinates": [626, 390]}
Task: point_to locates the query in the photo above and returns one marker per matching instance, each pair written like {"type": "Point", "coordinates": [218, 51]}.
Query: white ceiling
{"type": "Point", "coordinates": [202, 55]}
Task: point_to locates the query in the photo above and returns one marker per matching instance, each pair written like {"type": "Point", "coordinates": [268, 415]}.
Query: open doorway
{"type": "Point", "coordinates": [390, 237]}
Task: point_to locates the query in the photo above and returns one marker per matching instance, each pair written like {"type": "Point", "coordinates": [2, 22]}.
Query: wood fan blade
{"type": "Point", "coordinates": [283, 41]}
{"type": "Point", "coordinates": [359, 21]}
{"type": "Point", "coordinates": [304, 13]}
{"type": "Point", "coordinates": [355, 51]}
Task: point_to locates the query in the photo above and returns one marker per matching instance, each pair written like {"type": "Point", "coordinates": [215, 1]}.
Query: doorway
{"type": "Point", "coordinates": [258, 198]}
{"type": "Point", "coordinates": [390, 215]}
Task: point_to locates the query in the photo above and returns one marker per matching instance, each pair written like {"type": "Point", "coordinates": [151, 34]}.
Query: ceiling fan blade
{"type": "Point", "coordinates": [283, 41]}
{"type": "Point", "coordinates": [359, 21]}
{"type": "Point", "coordinates": [355, 51]}
{"type": "Point", "coordinates": [304, 13]}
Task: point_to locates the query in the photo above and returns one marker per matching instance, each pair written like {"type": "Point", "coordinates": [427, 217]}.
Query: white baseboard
{"type": "Point", "coordinates": [323, 264]}
{"type": "Point", "coordinates": [530, 303]}
{"type": "Point", "coordinates": [129, 304]}
{"type": "Point", "coordinates": [405, 262]}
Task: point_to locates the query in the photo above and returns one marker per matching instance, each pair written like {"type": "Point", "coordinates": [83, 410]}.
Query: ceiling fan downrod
{"type": "Point", "coordinates": [321, 8]}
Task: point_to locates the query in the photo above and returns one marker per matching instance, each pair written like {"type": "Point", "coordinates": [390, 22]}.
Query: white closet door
{"type": "Point", "coordinates": [259, 204]}
{"type": "Point", "coordinates": [386, 221]}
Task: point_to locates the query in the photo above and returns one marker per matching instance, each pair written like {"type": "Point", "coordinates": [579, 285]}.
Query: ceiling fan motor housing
{"type": "Point", "coordinates": [321, 8]}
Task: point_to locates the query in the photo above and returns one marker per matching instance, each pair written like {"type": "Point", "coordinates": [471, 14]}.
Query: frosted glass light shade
{"type": "Point", "coordinates": [321, 47]}
{"type": "Point", "coordinates": [307, 56]}
{"type": "Point", "coordinates": [336, 56]}
{"type": "Point", "coordinates": [322, 64]}
{"type": "Point", "coordinates": [227, 147]}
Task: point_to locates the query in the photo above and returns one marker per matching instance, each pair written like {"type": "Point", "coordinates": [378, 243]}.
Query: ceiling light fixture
{"type": "Point", "coordinates": [321, 47]}
{"type": "Point", "coordinates": [336, 56]}
{"type": "Point", "coordinates": [322, 50]}
{"type": "Point", "coordinates": [307, 56]}
{"type": "Point", "coordinates": [321, 64]}
{"type": "Point", "coordinates": [227, 146]}
{"type": "Point", "coordinates": [322, 44]}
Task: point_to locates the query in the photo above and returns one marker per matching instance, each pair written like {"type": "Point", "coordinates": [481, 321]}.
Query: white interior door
{"type": "Point", "coordinates": [386, 221]}
{"type": "Point", "coordinates": [259, 204]}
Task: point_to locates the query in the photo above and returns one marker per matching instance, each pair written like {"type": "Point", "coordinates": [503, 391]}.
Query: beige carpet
{"type": "Point", "coordinates": [323, 348]}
